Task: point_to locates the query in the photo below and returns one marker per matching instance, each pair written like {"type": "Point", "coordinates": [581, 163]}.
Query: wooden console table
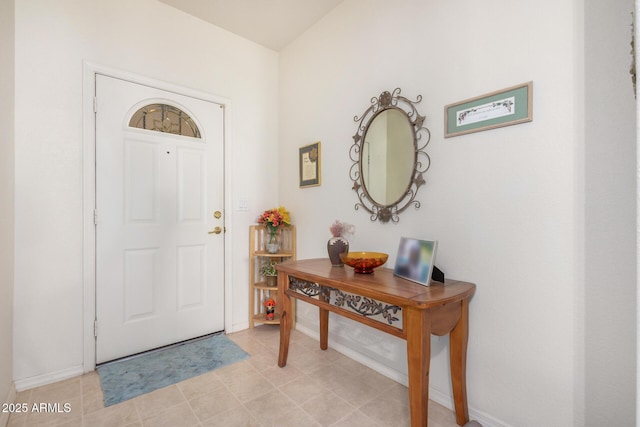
{"type": "Point", "coordinates": [390, 304]}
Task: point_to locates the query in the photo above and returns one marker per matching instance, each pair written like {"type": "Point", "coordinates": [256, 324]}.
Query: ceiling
{"type": "Point", "coordinates": [271, 23]}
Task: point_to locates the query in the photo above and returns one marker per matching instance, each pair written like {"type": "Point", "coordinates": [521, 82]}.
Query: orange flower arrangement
{"type": "Point", "coordinates": [273, 219]}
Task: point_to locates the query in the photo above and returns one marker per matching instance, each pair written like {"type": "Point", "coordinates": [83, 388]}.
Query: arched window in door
{"type": "Point", "coordinates": [165, 118]}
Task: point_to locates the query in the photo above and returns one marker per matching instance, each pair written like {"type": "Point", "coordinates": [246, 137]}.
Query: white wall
{"type": "Point", "coordinates": [6, 200]}
{"type": "Point", "coordinates": [610, 261]}
{"type": "Point", "coordinates": [150, 39]}
{"type": "Point", "coordinates": [506, 205]}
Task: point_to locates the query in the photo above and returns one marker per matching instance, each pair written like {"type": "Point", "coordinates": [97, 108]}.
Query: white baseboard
{"type": "Point", "coordinates": [358, 357]}
{"type": "Point", "coordinates": [486, 420]}
{"type": "Point", "coordinates": [435, 395]}
{"type": "Point", "coordinates": [447, 401]}
{"type": "Point", "coordinates": [11, 397]}
{"type": "Point", "coordinates": [237, 327]}
{"type": "Point", "coordinates": [40, 380]}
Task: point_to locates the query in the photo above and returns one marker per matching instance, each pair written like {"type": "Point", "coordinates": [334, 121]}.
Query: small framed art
{"type": "Point", "coordinates": [309, 161]}
{"type": "Point", "coordinates": [505, 107]}
{"type": "Point", "coordinates": [415, 260]}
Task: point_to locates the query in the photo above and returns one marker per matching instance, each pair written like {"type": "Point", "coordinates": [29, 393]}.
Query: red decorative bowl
{"type": "Point", "coordinates": [364, 262]}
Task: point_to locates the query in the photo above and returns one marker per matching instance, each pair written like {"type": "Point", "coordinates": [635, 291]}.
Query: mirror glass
{"type": "Point", "coordinates": [387, 157]}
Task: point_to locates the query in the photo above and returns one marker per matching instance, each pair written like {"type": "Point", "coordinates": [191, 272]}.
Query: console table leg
{"type": "Point", "coordinates": [324, 329]}
{"type": "Point", "coordinates": [458, 340]}
{"type": "Point", "coordinates": [285, 320]}
{"type": "Point", "coordinates": [419, 358]}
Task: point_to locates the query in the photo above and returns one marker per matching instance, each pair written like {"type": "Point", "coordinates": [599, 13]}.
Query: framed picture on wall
{"type": "Point", "coordinates": [415, 260]}
{"type": "Point", "coordinates": [505, 107]}
{"type": "Point", "coordinates": [309, 165]}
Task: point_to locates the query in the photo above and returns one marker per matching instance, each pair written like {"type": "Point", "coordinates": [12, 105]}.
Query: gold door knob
{"type": "Point", "coordinates": [216, 230]}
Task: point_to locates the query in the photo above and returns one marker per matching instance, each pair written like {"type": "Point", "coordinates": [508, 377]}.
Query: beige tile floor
{"type": "Point", "coordinates": [316, 388]}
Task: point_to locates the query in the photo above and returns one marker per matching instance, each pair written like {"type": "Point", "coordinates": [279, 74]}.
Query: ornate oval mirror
{"type": "Point", "coordinates": [388, 155]}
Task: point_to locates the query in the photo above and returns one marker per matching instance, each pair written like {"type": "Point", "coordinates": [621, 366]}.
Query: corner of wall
{"type": "Point", "coordinates": [610, 194]}
{"type": "Point", "coordinates": [7, 197]}
{"type": "Point", "coordinates": [579, 216]}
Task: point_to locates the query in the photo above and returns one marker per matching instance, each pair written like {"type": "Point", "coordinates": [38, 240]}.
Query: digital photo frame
{"type": "Point", "coordinates": [415, 260]}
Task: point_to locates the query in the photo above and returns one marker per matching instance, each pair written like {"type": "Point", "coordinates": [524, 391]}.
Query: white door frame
{"type": "Point", "coordinates": [89, 195]}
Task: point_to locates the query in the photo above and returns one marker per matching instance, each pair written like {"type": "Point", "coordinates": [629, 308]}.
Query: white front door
{"type": "Point", "coordinates": [159, 269]}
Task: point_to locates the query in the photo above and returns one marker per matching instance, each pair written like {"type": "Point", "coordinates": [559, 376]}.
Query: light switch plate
{"type": "Point", "coordinates": [243, 205]}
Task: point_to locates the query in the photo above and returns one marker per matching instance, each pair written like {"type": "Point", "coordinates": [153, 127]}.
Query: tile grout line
{"type": "Point", "coordinates": [188, 404]}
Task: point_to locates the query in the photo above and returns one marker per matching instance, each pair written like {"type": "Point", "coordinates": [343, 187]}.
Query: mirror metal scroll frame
{"type": "Point", "coordinates": [386, 100]}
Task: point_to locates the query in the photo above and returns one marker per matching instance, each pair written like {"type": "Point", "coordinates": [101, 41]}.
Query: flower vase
{"type": "Point", "coordinates": [337, 245]}
{"type": "Point", "coordinates": [272, 242]}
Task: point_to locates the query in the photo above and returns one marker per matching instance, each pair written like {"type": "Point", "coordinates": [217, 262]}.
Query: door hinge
{"type": "Point", "coordinates": [95, 217]}
{"type": "Point", "coordinates": [95, 328]}
{"type": "Point", "coordinates": [95, 104]}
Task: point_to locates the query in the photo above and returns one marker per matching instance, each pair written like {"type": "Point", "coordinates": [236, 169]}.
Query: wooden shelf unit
{"type": "Point", "coordinates": [258, 289]}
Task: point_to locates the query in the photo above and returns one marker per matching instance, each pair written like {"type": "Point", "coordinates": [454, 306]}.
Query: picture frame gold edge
{"type": "Point", "coordinates": [319, 166]}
